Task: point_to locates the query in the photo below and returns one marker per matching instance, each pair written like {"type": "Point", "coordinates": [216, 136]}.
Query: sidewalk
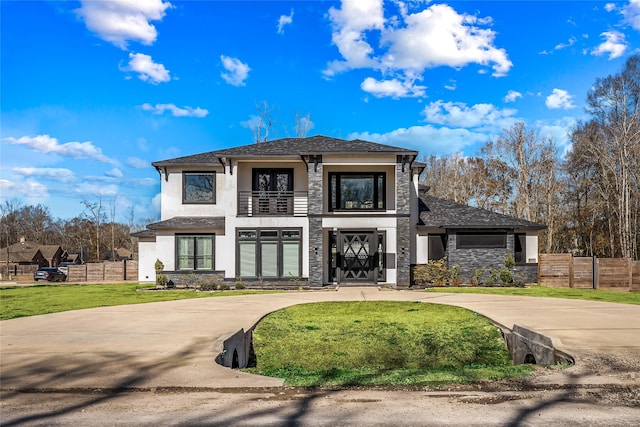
{"type": "Point", "coordinates": [174, 343]}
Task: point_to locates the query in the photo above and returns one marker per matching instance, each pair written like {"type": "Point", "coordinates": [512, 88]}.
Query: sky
{"type": "Point", "coordinates": [92, 92]}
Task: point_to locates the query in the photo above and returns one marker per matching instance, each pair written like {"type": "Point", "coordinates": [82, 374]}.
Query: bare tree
{"type": "Point", "coordinates": [95, 214]}
{"type": "Point", "coordinates": [303, 125]}
{"type": "Point", "coordinates": [261, 126]}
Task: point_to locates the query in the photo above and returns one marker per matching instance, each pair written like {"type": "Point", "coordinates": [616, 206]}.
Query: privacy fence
{"type": "Point", "coordinates": [567, 271]}
{"type": "Point", "coordinates": [104, 272]}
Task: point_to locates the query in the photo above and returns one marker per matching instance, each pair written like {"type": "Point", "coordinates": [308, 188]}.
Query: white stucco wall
{"type": "Point", "coordinates": [146, 260]}
{"type": "Point", "coordinates": [531, 247]}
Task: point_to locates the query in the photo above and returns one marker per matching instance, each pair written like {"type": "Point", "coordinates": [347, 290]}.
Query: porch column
{"type": "Point", "coordinates": [403, 226]}
{"type": "Point", "coordinates": [316, 197]}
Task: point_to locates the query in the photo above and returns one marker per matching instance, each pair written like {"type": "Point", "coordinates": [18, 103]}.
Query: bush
{"type": "Point", "coordinates": [435, 273]}
{"type": "Point", "coordinates": [509, 262]}
{"type": "Point", "coordinates": [239, 283]}
{"type": "Point", "coordinates": [162, 280]}
{"type": "Point", "coordinates": [506, 277]}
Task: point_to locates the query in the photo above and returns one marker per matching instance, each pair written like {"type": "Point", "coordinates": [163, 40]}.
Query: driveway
{"type": "Point", "coordinates": [172, 345]}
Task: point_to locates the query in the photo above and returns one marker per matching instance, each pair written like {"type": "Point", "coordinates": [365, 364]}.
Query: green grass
{"type": "Point", "coordinates": [380, 343]}
{"type": "Point", "coordinates": [43, 299]}
{"type": "Point", "coordinates": [541, 291]}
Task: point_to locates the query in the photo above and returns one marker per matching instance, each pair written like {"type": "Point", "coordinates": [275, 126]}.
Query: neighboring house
{"type": "Point", "coordinates": [319, 209]}
{"type": "Point", "coordinates": [119, 254]}
{"type": "Point", "coordinates": [27, 253]}
{"type": "Point", "coordinates": [475, 238]}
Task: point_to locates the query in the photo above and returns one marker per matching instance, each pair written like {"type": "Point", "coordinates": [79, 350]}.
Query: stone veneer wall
{"type": "Point", "coordinates": [403, 230]}
{"type": "Point", "coordinates": [527, 273]}
{"type": "Point", "coordinates": [470, 259]}
{"type": "Point", "coordinates": [316, 249]}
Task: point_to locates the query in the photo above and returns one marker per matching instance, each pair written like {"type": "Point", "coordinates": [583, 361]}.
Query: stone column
{"type": "Point", "coordinates": [316, 198]}
{"type": "Point", "coordinates": [403, 227]}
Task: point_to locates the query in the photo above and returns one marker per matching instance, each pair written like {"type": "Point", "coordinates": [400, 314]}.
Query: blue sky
{"type": "Point", "coordinates": [93, 91]}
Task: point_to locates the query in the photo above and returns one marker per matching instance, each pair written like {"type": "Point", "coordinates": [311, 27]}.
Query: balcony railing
{"type": "Point", "coordinates": [272, 203]}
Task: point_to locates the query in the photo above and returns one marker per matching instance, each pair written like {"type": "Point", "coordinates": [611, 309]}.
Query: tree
{"type": "Point", "coordinates": [94, 213]}
{"type": "Point", "coordinates": [610, 144]}
{"type": "Point", "coordinates": [262, 123]}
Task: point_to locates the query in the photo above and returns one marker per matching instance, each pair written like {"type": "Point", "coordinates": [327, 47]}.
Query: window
{"type": "Point", "coordinates": [520, 248]}
{"type": "Point", "coordinates": [481, 240]}
{"type": "Point", "coordinates": [357, 191]}
{"type": "Point", "coordinates": [198, 187]}
{"type": "Point", "coordinates": [437, 246]}
{"type": "Point", "coordinates": [269, 253]}
{"type": "Point", "coordinates": [194, 252]}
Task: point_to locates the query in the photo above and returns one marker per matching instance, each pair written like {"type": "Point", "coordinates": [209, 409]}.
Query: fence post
{"type": "Point", "coordinates": [571, 270]}
{"type": "Point", "coordinates": [594, 272]}
{"type": "Point", "coordinates": [597, 274]}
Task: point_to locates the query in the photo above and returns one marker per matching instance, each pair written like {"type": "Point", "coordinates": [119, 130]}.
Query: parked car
{"type": "Point", "coordinates": [64, 267]}
{"type": "Point", "coordinates": [50, 274]}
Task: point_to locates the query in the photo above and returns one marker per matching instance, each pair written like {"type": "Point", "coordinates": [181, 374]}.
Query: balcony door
{"type": "Point", "coordinates": [273, 191]}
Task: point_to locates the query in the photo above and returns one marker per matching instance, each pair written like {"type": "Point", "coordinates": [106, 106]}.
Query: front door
{"type": "Point", "coordinates": [356, 256]}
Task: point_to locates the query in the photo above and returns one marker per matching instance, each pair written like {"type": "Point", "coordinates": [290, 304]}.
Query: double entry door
{"type": "Point", "coordinates": [357, 256]}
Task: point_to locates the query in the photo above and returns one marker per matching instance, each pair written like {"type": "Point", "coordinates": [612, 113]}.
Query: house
{"type": "Point", "coordinates": [318, 209]}
{"type": "Point", "coordinates": [30, 253]}
{"type": "Point", "coordinates": [475, 238]}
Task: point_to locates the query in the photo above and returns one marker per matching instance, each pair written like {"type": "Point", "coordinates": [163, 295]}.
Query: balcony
{"type": "Point", "coordinates": [272, 203]}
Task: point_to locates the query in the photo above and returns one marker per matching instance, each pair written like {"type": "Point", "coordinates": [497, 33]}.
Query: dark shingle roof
{"type": "Point", "coordinates": [185, 222]}
{"type": "Point", "coordinates": [144, 233]}
{"type": "Point", "coordinates": [435, 212]}
{"type": "Point", "coordinates": [289, 147]}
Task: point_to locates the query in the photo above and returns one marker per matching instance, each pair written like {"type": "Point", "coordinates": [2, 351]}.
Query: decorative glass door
{"type": "Point", "coordinates": [355, 256]}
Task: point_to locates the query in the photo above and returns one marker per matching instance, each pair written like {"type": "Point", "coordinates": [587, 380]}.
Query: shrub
{"type": "Point", "coordinates": [494, 276]}
{"type": "Point", "coordinates": [159, 266]}
{"type": "Point", "coordinates": [506, 277]}
{"type": "Point", "coordinates": [477, 276]}
{"type": "Point", "coordinates": [212, 283]}
{"type": "Point", "coordinates": [239, 283]}
{"type": "Point", "coordinates": [162, 280]}
{"type": "Point", "coordinates": [435, 273]}
{"type": "Point", "coordinates": [509, 262]}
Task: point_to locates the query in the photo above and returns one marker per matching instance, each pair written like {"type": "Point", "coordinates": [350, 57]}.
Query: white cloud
{"type": "Point", "coordinates": [410, 43]}
{"type": "Point", "coordinates": [610, 7]}
{"type": "Point", "coordinates": [175, 111]}
{"type": "Point", "coordinates": [614, 44]}
{"type": "Point", "coordinates": [569, 43]}
{"type": "Point", "coordinates": [458, 114]}
{"type": "Point", "coordinates": [393, 88]}
{"type": "Point", "coordinates": [114, 173]}
{"type": "Point", "coordinates": [74, 150]}
{"type": "Point", "coordinates": [559, 99]}
{"type": "Point", "coordinates": [32, 190]}
{"type": "Point", "coordinates": [57, 174]}
{"type": "Point", "coordinates": [558, 131]}
{"type": "Point", "coordinates": [237, 71]}
{"type": "Point", "coordinates": [148, 71]}
{"type": "Point", "coordinates": [284, 20]}
{"type": "Point", "coordinates": [428, 139]}
{"type": "Point", "coordinates": [97, 189]}
{"type": "Point", "coordinates": [121, 21]}
{"type": "Point", "coordinates": [138, 163]}
{"type": "Point", "coordinates": [631, 13]}
{"type": "Point", "coordinates": [512, 96]}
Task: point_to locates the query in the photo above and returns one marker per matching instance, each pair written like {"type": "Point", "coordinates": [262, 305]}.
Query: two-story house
{"type": "Point", "coordinates": [318, 209]}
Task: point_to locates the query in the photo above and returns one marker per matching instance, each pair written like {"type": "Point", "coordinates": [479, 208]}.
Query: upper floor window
{"type": "Point", "coordinates": [357, 191]}
{"type": "Point", "coordinates": [198, 187]}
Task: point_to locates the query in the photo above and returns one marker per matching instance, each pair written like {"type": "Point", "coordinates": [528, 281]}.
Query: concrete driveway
{"type": "Point", "coordinates": [173, 344]}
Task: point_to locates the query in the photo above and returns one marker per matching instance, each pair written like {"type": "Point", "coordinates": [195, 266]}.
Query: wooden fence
{"type": "Point", "coordinates": [104, 272]}
{"type": "Point", "coordinates": [567, 271]}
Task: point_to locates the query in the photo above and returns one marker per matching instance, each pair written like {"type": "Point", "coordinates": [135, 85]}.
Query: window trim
{"type": "Point", "coordinates": [184, 188]}
{"type": "Point", "coordinates": [258, 239]}
{"type": "Point", "coordinates": [195, 255]}
{"type": "Point", "coordinates": [379, 194]}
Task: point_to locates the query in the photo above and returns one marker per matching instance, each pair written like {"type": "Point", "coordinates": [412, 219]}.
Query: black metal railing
{"type": "Point", "coordinates": [272, 203]}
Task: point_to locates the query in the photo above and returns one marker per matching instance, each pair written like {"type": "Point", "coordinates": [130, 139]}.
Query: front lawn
{"type": "Point", "coordinates": [44, 299]}
{"type": "Point", "coordinates": [380, 343]}
{"type": "Point", "coordinates": [542, 291]}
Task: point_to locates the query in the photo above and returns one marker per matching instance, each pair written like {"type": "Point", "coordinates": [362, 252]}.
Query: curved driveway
{"type": "Point", "coordinates": [173, 344]}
